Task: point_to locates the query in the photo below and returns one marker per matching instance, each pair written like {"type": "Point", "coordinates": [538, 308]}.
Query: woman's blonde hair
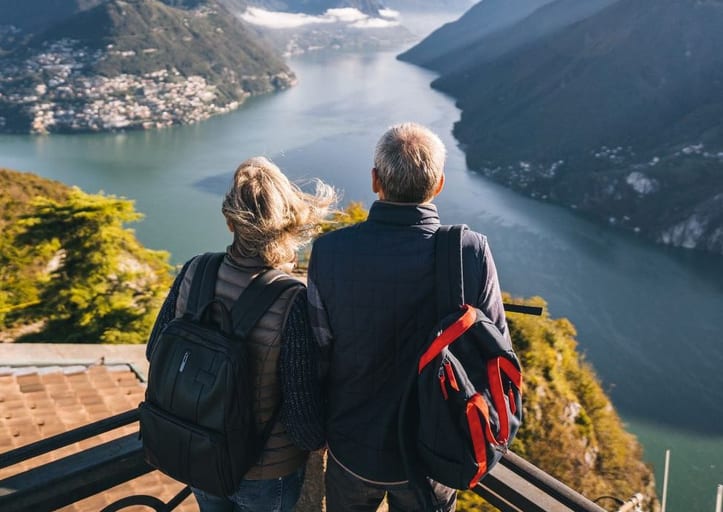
{"type": "Point", "coordinates": [271, 217]}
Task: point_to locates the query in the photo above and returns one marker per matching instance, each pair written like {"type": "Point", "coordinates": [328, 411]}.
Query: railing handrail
{"type": "Point", "coordinates": [65, 481]}
{"type": "Point", "coordinates": [514, 485]}
{"type": "Point", "coordinates": [66, 438]}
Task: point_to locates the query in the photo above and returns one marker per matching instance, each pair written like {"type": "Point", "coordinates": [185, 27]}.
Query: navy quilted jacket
{"type": "Point", "coordinates": [372, 306]}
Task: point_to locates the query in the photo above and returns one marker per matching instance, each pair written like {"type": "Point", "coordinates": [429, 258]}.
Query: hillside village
{"type": "Point", "coordinates": [60, 95]}
{"type": "Point", "coordinates": [133, 65]}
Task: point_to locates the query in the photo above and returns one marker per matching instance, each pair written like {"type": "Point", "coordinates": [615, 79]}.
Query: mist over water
{"type": "Point", "coordinates": [649, 317]}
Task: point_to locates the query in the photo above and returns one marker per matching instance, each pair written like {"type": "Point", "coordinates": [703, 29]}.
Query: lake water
{"type": "Point", "coordinates": [649, 318]}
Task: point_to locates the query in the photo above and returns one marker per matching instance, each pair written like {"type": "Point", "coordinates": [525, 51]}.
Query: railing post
{"type": "Point", "coordinates": [666, 471]}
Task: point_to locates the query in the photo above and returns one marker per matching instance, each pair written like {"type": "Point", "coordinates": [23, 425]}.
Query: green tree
{"type": "Point", "coordinates": [99, 284]}
{"type": "Point", "coordinates": [352, 214]}
{"type": "Point", "coordinates": [20, 267]}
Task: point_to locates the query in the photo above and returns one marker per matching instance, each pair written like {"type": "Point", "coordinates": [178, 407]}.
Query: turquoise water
{"type": "Point", "coordinates": [649, 318]}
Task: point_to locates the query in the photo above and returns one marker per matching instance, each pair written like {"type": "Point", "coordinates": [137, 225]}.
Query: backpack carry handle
{"type": "Point", "coordinates": [205, 316]}
{"type": "Point", "coordinates": [248, 308]}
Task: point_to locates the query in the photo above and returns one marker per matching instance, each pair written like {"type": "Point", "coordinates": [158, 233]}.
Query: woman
{"type": "Point", "coordinates": [270, 218]}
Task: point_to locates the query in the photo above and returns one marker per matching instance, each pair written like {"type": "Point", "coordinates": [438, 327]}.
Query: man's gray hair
{"type": "Point", "coordinates": [409, 160]}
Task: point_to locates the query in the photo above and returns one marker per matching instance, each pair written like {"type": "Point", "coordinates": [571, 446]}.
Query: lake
{"type": "Point", "coordinates": [649, 318]}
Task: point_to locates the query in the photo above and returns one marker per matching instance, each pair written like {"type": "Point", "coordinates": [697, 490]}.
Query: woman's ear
{"type": "Point", "coordinates": [440, 186]}
{"type": "Point", "coordinates": [229, 225]}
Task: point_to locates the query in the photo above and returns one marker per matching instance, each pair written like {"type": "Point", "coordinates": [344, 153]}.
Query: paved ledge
{"type": "Point", "coordinates": [71, 354]}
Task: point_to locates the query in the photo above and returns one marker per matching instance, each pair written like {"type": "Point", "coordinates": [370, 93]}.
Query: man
{"type": "Point", "coordinates": [372, 305]}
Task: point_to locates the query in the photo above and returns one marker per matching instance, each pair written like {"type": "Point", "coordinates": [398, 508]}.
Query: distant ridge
{"type": "Point", "coordinates": [543, 21]}
{"type": "Point", "coordinates": [482, 19]}
{"type": "Point", "coordinates": [207, 42]}
{"type": "Point", "coordinates": [617, 115]}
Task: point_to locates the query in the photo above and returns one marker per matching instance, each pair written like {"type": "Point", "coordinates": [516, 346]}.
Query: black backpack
{"type": "Point", "coordinates": [463, 404]}
{"type": "Point", "coordinates": [197, 423]}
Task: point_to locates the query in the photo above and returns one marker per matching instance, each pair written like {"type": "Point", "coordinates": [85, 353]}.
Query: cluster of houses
{"type": "Point", "coordinates": [56, 93]}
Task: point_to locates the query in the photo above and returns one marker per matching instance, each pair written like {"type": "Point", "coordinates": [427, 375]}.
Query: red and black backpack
{"type": "Point", "coordinates": [463, 406]}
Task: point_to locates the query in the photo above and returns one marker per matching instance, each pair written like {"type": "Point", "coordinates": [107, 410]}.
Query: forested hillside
{"type": "Point", "coordinates": [70, 269]}
{"type": "Point", "coordinates": [135, 64]}
{"type": "Point", "coordinates": [571, 429]}
{"type": "Point", "coordinates": [617, 114]}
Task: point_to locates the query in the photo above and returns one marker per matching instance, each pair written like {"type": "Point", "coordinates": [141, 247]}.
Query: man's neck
{"type": "Point", "coordinates": [399, 203]}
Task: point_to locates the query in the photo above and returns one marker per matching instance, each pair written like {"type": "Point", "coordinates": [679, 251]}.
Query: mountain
{"type": "Point", "coordinates": [544, 21]}
{"type": "Point", "coordinates": [617, 115]}
{"type": "Point", "coordinates": [483, 18]}
{"type": "Point", "coordinates": [136, 63]}
{"type": "Point", "coordinates": [206, 42]}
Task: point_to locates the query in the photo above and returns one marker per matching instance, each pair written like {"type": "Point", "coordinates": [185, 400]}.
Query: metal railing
{"type": "Point", "coordinates": [514, 485]}
{"type": "Point", "coordinates": [81, 475]}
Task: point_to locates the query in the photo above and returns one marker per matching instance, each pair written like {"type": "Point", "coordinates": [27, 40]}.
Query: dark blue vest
{"type": "Point", "coordinates": [376, 280]}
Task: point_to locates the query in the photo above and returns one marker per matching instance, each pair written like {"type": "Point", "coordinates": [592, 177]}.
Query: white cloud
{"type": "Point", "coordinates": [375, 23]}
{"type": "Point", "coordinates": [388, 13]}
{"type": "Point", "coordinates": [272, 19]}
{"type": "Point", "coordinates": [347, 15]}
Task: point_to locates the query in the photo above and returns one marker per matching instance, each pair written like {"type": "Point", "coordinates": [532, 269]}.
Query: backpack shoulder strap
{"type": "Point", "coordinates": [203, 284]}
{"type": "Point", "coordinates": [448, 272]}
{"type": "Point", "coordinates": [258, 297]}
{"type": "Point", "coordinates": [248, 309]}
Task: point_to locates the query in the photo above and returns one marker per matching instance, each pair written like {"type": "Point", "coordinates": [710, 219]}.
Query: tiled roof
{"type": "Point", "coordinates": [37, 402]}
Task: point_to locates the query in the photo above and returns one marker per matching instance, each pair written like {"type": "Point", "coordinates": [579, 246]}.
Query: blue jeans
{"type": "Point", "coordinates": [276, 495]}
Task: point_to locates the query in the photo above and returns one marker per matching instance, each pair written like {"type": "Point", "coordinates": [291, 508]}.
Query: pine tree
{"type": "Point", "coordinates": [99, 283]}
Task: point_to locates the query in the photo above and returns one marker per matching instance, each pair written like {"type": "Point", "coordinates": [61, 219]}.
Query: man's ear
{"type": "Point", "coordinates": [376, 184]}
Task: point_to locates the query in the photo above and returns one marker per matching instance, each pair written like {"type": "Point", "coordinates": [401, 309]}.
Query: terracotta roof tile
{"type": "Point", "coordinates": [41, 402]}
{"type": "Point", "coordinates": [113, 377]}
